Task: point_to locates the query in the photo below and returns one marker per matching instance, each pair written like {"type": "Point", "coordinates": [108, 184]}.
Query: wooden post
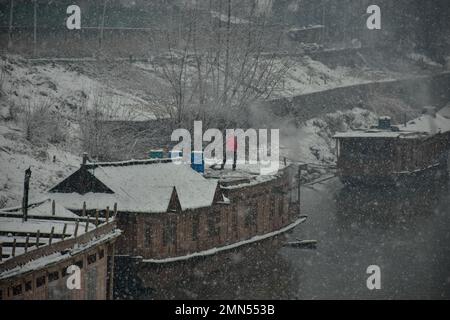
{"type": "Point", "coordinates": [75, 234]}
{"type": "Point", "coordinates": [86, 227]}
{"type": "Point", "coordinates": [53, 208]}
{"type": "Point", "coordinates": [1, 251]}
{"type": "Point", "coordinates": [27, 241]}
{"type": "Point", "coordinates": [83, 214]}
{"type": "Point", "coordinates": [14, 248]}
{"type": "Point", "coordinates": [64, 231]}
{"type": "Point", "coordinates": [96, 217]}
{"type": "Point", "coordinates": [107, 214]}
{"type": "Point", "coordinates": [26, 187]}
{"type": "Point", "coordinates": [51, 236]}
{"type": "Point", "coordinates": [115, 210]}
{"type": "Point", "coordinates": [38, 236]}
{"type": "Point", "coordinates": [299, 187]}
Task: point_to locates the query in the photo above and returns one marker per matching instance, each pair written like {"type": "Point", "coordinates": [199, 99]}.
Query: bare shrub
{"type": "Point", "coordinates": [41, 125]}
{"type": "Point", "coordinates": [216, 68]}
{"type": "Point", "coordinates": [95, 128]}
{"type": "Point", "coordinates": [3, 201]}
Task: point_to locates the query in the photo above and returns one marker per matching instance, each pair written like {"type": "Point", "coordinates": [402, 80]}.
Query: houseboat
{"type": "Point", "coordinates": [169, 212]}
{"type": "Point", "coordinates": [37, 249]}
{"type": "Point", "coordinates": [391, 154]}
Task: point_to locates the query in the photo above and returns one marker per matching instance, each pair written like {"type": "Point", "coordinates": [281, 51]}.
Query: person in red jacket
{"type": "Point", "coordinates": [230, 148]}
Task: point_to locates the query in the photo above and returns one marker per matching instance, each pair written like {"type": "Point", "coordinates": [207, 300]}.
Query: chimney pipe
{"type": "Point", "coordinates": [26, 188]}
{"type": "Point", "coordinates": [85, 158]}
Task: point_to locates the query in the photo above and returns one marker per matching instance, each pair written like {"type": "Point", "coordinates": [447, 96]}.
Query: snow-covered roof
{"type": "Point", "coordinates": [425, 125]}
{"type": "Point", "coordinates": [143, 187]}
{"type": "Point", "coordinates": [42, 209]}
{"type": "Point", "coordinates": [428, 124]}
{"type": "Point", "coordinates": [368, 134]}
{"type": "Point", "coordinates": [40, 221]}
{"type": "Point", "coordinates": [30, 239]}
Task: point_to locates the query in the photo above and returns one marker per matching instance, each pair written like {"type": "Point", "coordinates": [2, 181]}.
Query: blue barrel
{"type": "Point", "coordinates": [197, 161]}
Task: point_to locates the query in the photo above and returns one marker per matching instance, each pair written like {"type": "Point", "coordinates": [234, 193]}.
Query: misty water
{"type": "Point", "coordinates": [403, 231]}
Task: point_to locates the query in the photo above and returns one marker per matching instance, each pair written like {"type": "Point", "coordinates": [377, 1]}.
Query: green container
{"type": "Point", "coordinates": [156, 154]}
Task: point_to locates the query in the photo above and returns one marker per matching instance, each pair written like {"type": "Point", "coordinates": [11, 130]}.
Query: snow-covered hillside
{"type": "Point", "coordinates": [66, 90]}
{"type": "Point", "coordinates": [49, 164]}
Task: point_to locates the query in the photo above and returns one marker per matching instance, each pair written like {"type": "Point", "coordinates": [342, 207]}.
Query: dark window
{"type": "Point", "coordinates": [92, 258]}
{"type": "Point", "coordinates": [40, 281]}
{"type": "Point", "coordinates": [53, 276]}
{"type": "Point", "coordinates": [148, 235]}
{"type": "Point", "coordinates": [272, 208]}
{"type": "Point", "coordinates": [79, 264]}
{"type": "Point", "coordinates": [250, 216]}
{"type": "Point", "coordinates": [170, 232]}
{"type": "Point", "coordinates": [234, 221]}
{"type": "Point", "coordinates": [64, 272]}
{"type": "Point", "coordinates": [214, 224]}
{"type": "Point", "coordinates": [17, 290]}
{"type": "Point", "coordinates": [1, 294]}
{"type": "Point", "coordinates": [281, 207]}
{"type": "Point", "coordinates": [28, 286]}
{"type": "Point", "coordinates": [195, 227]}
{"type": "Point", "coordinates": [101, 254]}
{"type": "Point", "coordinates": [92, 283]}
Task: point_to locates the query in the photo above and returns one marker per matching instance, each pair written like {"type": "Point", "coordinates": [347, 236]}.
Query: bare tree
{"type": "Point", "coordinates": [216, 65]}
{"type": "Point", "coordinates": [96, 123]}
{"type": "Point", "coordinates": [40, 124]}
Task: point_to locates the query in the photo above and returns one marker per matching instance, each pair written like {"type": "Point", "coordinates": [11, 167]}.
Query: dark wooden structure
{"type": "Point", "coordinates": [35, 254]}
{"type": "Point", "coordinates": [387, 154]}
{"type": "Point", "coordinates": [169, 212]}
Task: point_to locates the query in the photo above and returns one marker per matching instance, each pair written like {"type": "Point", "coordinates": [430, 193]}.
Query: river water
{"type": "Point", "coordinates": [406, 232]}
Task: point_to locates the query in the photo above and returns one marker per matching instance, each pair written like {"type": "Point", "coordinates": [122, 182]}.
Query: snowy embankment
{"type": "Point", "coordinates": [306, 75]}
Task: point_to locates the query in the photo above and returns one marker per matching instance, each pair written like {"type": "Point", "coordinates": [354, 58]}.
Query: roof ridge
{"type": "Point", "coordinates": [131, 162]}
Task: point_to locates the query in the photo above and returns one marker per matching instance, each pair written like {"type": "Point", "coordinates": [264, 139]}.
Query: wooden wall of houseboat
{"type": "Point", "coordinates": [50, 283]}
{"type": "Point", "coordinates": [398, 156]}
{"type": "Point", "coordinates": [253, 210]}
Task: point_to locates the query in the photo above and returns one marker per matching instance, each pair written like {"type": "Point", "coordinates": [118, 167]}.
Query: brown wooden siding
{"type": "Point", "coordinates": [253, 210]}
{"type": "Point", "coordinates": [50, 283]}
